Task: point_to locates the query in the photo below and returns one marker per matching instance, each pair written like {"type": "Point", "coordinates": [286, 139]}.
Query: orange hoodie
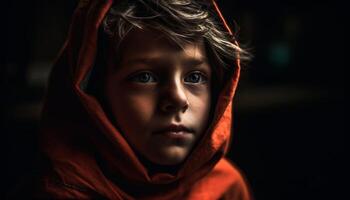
{"type": "Point", "coordinates": [76, 132]}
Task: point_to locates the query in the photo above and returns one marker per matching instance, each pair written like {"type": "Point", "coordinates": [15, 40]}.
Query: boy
{"type": "Point", "coordinates": [139, 104]}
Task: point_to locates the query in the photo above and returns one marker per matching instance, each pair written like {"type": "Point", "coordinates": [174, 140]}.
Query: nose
{"type": "Point", "coordinates": [174, 97]}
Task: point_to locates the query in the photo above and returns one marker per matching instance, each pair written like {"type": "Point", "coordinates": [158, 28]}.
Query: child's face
{"type": "Point", "coordinates": [157, 84]}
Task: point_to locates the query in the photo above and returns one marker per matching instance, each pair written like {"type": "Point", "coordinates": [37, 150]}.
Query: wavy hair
{"type": "Point", "coordinates": [182, 21]}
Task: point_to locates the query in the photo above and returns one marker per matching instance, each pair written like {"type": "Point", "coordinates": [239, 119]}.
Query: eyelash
{"type": "Point", "coordinates": [203, 77]}
{"type": "Point", "coordinates": [138, 75]}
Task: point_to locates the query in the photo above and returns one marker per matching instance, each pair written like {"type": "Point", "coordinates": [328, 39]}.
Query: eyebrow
{"type": "Point", "coordinates": [162, 61]}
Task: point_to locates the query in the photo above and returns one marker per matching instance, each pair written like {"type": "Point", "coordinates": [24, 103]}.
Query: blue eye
{"type": "Point", "coordinates": [196, 77]}
{"type": "Point", "coordinates": [144, 77]}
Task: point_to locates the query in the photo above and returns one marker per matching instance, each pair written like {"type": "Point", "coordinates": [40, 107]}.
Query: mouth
{"type": "Point", "coordinates": [176, 129]}
{"type": "Point", "coordinates": [177, 132]}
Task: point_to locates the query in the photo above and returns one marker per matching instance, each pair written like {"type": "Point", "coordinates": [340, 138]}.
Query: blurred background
{"type": "Point", "coordinates": [289, 133]}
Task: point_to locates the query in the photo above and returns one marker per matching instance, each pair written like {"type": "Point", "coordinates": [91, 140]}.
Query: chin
{"type": "Point", "coordinates": [171, 156]}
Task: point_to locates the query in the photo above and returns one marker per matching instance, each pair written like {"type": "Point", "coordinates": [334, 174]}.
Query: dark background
{"type": "Point", "coordinates": [289, 137]}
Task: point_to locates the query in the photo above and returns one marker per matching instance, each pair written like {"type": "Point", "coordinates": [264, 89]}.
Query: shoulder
{"type": "Point", "coordinates": [228, 169]}
{"type": "Point", "coordinates": [49, 187]}
{"type": "Point", "coordinates": [53, 188]}
{"type": "Point", "coordinates": [238, 188]}
{"type": "Point", "coordinates": [224, 181]}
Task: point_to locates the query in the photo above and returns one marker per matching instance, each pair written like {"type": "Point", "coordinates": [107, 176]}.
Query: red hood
{"type": "Point", "coordinates": [76, 132]}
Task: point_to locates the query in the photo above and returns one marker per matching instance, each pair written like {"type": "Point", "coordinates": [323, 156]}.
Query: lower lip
{"type": "Point", "coordinates": [176, 135]}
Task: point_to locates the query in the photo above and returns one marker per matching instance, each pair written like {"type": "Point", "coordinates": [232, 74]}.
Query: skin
{"type": "Point", "coordinates": [154, 84]}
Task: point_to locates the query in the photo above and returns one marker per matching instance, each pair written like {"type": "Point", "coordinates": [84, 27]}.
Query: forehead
{"type": "Point", "coordinates": [153, 45]}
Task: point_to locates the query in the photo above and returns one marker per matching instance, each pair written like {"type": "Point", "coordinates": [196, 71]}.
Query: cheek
{"type": "Point", "coordinates": [139, 107]}
{"type": "Point", "coordinates": [130, 109]}
{"type": "Point", "coordinates": [200, 106]}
